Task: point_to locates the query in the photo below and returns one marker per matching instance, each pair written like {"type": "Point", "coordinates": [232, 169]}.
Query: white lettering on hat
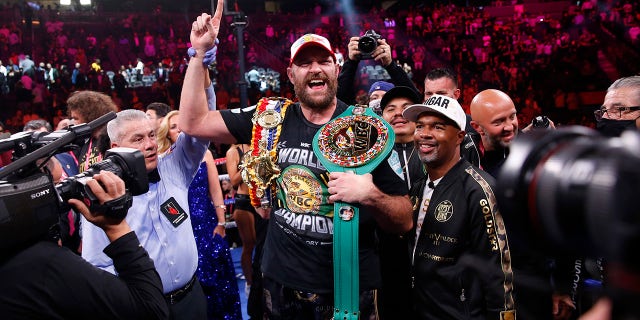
{"type": "Point", "coordinates": [438, 101]}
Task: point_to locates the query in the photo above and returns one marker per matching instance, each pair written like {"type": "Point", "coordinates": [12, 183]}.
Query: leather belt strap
{"type": "Point", "coordinates": [356, 141]}
{"type": "Point", "coordinates": [175, 296]}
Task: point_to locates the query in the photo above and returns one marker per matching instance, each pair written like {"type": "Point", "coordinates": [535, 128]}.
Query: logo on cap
{"type": "Point", "coordinates": [308, 39]}
{"type": "Point", "coordinates": [437, 101]}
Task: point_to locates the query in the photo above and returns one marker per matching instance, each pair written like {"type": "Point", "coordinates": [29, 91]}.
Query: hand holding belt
{"type": "Point", "coordinates": [357, 141]}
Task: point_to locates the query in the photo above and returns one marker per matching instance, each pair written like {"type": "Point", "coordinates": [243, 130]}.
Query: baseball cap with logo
{"type": "Point", "coordinates": [448, 107]}
{"type": "Point", "coordinates": [310, 39]}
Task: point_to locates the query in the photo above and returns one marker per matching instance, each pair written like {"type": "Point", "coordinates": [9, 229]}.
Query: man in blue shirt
{"type": "Point", "coordinates": [160, 217]}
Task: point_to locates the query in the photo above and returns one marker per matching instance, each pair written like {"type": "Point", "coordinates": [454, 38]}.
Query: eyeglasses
{"type": "Point", "coordinates": [614, 113]}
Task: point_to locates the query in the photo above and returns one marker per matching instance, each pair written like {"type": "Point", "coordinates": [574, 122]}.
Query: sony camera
{"type": "Point", "coordinates": [30, 203]}
{"type": "Point", "coordinates": [540, 122]}
{"type": "Point", "coordinates": [367, 44]}
{"type": "Point", "coordinates": [126, 163]}
{"type": "Point", "coordinates": [573, 192]}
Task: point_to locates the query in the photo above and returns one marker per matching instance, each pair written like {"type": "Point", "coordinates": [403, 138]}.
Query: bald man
{"type": "Point", "coordinates": [494, 118]}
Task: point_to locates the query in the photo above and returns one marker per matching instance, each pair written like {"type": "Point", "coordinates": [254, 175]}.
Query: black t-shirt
{"type": "Point", "coordinates": [298, 251]}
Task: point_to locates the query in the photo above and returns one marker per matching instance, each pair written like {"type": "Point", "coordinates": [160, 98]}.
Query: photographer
{"type": "Point", "coordinates": [381, 53]}
{"type": "Point", "coordinates": [61, 285]}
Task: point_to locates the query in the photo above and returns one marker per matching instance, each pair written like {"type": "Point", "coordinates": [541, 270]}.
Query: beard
{"type": "Point", "coordinates": [314, 102]}
{"type": "Point", "coordinates": [497, 142]}
{"type": "Point", "coordinates": [431, 160]}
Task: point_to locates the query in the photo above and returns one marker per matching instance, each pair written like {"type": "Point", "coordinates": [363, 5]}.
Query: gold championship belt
{"type": "Point", "coordinates": [357, 141]}
{"type": "Point", "coordinates": [259, 166]}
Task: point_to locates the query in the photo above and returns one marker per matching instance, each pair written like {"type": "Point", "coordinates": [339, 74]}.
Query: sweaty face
{"type": "Point", "coordinates": [437, 140]}
{"type": "Point", "coordinates": [442, 86]}
{"type": "Point", "coordinates": [392, 113]}
{"type": "Point", "coordinates": [314, 75]}
{"type": "Point", "coordinates": [140, 135]}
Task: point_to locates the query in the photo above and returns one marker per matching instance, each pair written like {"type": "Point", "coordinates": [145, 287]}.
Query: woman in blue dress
{"type": "Point", "coordinates": [215, 267]}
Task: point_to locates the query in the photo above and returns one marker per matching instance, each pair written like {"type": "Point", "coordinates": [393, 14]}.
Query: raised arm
{"type": "Point", "coordinates": [195, 118]}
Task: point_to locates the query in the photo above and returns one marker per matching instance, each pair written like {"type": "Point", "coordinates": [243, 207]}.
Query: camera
{"type": "Point", "coordinates": [367, 44]}
{"type": "Point", "coordinates": [540, 122]}
{"type": "Point", "coordinates": [31, 205]}
{"type": "Point", "coordinates": [126, 163]}
{"type": "Point", "coordinates": [573, 192]}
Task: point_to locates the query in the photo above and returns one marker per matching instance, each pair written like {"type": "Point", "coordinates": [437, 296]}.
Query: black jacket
{"type": "Point", "coordinates": [469, 148]}
{"type": "Point", "coordinates": [346, 80]}
{"type": "Point", "coordinates": [461, 263]}
{"type": "Point", "coordinates": [45, 281]}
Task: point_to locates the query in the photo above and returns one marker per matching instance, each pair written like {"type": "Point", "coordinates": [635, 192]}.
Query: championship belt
{"type": "Point", "coordinates": [259, 166]}
{"type": "Point", "coordinates": [356, 141]}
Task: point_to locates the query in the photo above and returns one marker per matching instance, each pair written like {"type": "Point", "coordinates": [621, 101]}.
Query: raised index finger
{"type": "Point", "coordinates": [217, 16]}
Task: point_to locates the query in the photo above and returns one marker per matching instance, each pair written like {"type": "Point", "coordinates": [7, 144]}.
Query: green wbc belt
{"type": "Point", "coordinates": [356, 141]}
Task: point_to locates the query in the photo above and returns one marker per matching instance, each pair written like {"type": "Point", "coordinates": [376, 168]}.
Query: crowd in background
{"type": "Point", "coordinates": [545, 61]}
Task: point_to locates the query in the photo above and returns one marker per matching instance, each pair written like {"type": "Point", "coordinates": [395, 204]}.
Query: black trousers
{"type": "Point", "coordinates": [193, 306]}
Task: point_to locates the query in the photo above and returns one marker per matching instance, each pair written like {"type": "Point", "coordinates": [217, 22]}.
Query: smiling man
{"type": "Point", "coordinates": [395, 299]}
{"type": "Point", "coordinates": [460, 260]}
{"type": "Point", "coordinates": [494, 118]}
{"type": "Point", "coordinates": [297, 258]}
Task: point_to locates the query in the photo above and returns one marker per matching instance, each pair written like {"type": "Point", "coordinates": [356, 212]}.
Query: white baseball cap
{"type": "Point", "coordinates": [308, 40]}
{"type": "Point", "coordinates": [448, 107]}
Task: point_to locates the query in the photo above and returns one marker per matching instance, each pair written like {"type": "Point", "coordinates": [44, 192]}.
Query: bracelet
{"type": "Point", "coordinates": [222, 224]}
{"type": "Point", "coordinates": [209, 57]}
{"type": "Point", "coordinates": [222, 206]}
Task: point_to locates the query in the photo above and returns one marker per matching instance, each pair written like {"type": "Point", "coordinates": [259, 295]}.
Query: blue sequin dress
{"type": "Point", "coordinates": [215, 267]}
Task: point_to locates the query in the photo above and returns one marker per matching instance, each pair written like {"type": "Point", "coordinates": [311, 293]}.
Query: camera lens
{"type": "Point", "coordinates": [367, 44]}
{"type": "Point", "coordinates": [519, 177]}
{"type": "Point", "coordinates": [572, 191]}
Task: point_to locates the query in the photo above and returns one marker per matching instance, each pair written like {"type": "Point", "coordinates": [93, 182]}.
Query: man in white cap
{"type": "Point", "coordinates": [459, 251]}
{"type": "Point", "coordinates": [297, 261]}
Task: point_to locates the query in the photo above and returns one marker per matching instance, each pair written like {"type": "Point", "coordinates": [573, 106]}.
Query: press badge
{"type": "Point", "coordinates": [174, 213]}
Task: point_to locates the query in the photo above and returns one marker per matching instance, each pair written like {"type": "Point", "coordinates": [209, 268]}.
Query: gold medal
{"type": "Point", "coordinates": [268, 119]}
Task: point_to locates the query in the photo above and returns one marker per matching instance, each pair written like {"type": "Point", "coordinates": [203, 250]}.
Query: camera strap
{"type": "Point", "coordinates": [115, 208]}
{"type": "Point", "coordinates": [356, 141]}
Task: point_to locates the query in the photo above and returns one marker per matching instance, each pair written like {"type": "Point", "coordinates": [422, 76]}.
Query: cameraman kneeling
{"type": "Point", "coordinates": [46, 281]}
